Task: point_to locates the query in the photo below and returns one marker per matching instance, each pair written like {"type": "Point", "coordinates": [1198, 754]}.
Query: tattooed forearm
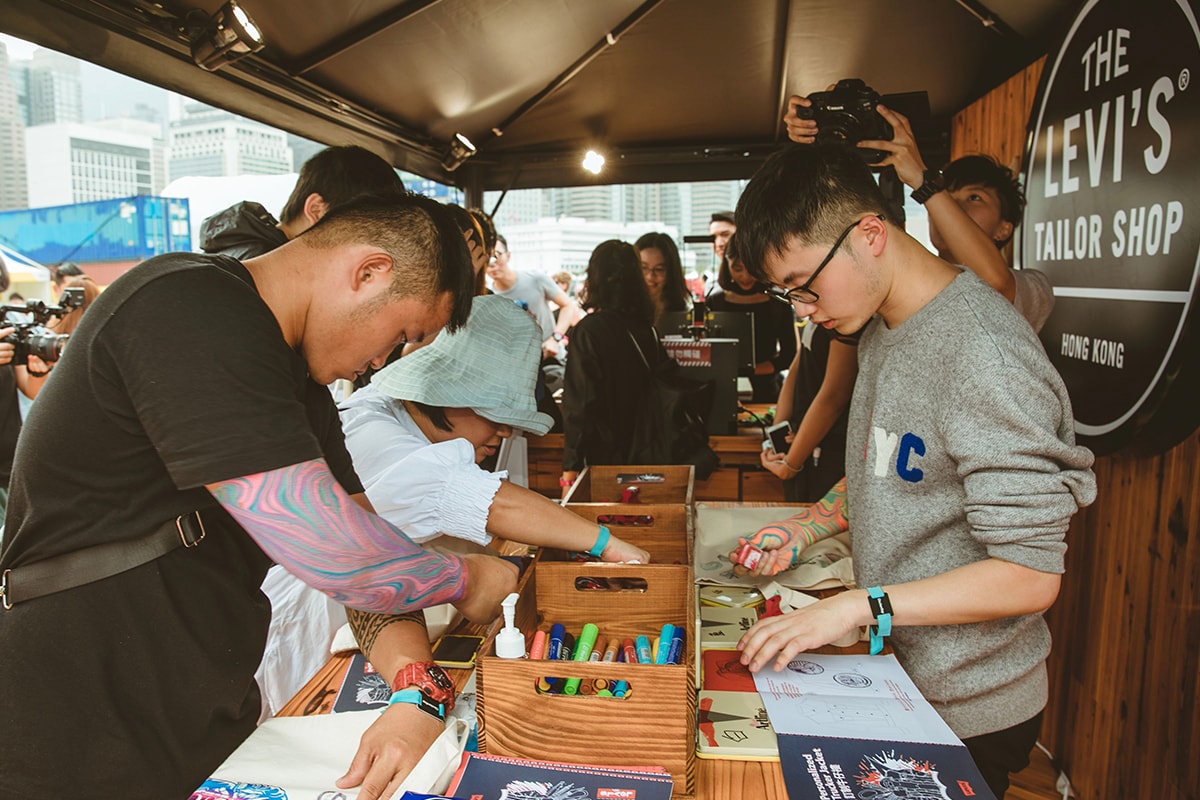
{"type": "Point", "coordinates": [367, 626]}
{"type": "Point", "coordinates": [302, 519]}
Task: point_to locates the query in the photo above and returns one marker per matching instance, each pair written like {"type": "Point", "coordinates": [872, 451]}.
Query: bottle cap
{"type": "Point", "coordinates": [510, 642]}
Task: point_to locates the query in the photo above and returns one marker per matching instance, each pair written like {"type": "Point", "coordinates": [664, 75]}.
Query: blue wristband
{"type": "Point", "coordinates": [418, 699]}
{"type": "Point", "coordinates": [601, 542]}
{"type": "Point", "coordinates": [881, 610]}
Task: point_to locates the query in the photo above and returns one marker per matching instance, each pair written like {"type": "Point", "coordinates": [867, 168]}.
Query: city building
{"type": "Point", "coordinates": [55, 90]}
{"type": "Point", "coordinates": [566, 243]}
{"type": "Point", "coordinates": [13, 187]}
{"type": "Point", "coordinates": [209, 142]}
{"type": "Point", "coordinates": [76, 163]}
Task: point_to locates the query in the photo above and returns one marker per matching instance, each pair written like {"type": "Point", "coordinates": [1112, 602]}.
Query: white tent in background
{"type": "Point", "coordinates": [26, 276]}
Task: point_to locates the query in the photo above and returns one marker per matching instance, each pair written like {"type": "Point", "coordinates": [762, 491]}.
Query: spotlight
{"type": "Point", "coordinates": [593, 162]}
{"type": "Point", "coordinates": [460, 150]}
{"type": "Point", "coordinates": [227, 36]}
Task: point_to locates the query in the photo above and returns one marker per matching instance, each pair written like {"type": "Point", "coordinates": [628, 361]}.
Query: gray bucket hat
{"type": "Point", "coordinates": [489, 365]}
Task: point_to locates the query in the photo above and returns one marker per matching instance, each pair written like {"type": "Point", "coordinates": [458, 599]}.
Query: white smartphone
{"type": "Point", "coordinates": [777, 437]}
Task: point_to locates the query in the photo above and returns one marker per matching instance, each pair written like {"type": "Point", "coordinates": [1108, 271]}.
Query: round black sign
{"type": "Point", "coordinates": [1113, 219]}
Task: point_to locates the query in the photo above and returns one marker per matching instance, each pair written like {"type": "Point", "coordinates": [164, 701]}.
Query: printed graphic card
{"type": "Point", "coordinates": [484, 777]}
{"type": "Point", "coordinates": [734, 725]}
{"type": "Point", "coordinates": [723, 627]}
{"type": "Point", "coordinates": [721, 671]}
{"type": "Point", "coordinates": [731, 596]}
{"type": "Point", "coordinates": [362, 688]}
{"type": "Point", "coordinates": [850, 726]}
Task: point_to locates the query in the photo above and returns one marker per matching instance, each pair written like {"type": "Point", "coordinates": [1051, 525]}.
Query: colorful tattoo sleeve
{"type": "Point", "coordinates": [302, 519]}
{"type": "Point", "coordinates": [823, 519]}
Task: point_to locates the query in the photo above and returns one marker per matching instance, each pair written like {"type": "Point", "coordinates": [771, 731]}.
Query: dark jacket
{"type": "Point", "coordinates": [605, 388]}
{"type": "Point", "coordinates": [244, 230]}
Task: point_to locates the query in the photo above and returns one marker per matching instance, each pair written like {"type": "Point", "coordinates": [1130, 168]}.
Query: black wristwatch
{"type": "Point", "coordinates": [932, 183]}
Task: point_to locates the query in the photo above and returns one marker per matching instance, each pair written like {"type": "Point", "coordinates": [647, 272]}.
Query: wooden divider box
{"type": "Point", "coordinates": [657, 483]}
{"type": "Point", "coordinates": [654, 726]}
{"type": "Point", "coordinates": [662, 520]}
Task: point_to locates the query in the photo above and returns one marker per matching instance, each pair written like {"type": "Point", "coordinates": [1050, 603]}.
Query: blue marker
{"type": "Point", "coordinates": [643, 650]}
{"type": "Point", "coordinates": [554, 651]}
{"type": "Point", "coordinates": [664, 643]}
{"type": "Point", "coordinates": [620, 689]}
{"type": "Point", "coordinates": [675, 655]}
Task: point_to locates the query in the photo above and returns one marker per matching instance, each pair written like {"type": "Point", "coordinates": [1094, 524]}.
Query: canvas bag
{"type": "Point", "coordinates": [671, 428]}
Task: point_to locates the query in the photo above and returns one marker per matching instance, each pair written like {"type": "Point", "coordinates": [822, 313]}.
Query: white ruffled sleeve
{"type": "Point", "coordinates": [424, 489]}
{"type": "Point", "coordinates": [436, 490]}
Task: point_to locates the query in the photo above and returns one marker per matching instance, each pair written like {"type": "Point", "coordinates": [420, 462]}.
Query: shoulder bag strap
{"type": "Point", "coordinates": [98, 562]}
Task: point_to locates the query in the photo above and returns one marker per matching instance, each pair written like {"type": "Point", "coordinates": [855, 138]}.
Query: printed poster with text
{"type": "Point", "coordinates": [855, 727]}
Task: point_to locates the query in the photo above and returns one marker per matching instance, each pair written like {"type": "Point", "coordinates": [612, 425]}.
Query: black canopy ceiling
{"type": "Point", "coordinates": [667, 89]}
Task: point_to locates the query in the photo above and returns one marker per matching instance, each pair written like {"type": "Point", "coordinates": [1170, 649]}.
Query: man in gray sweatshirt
{"type": "Point", "coordinates": [961, 464]}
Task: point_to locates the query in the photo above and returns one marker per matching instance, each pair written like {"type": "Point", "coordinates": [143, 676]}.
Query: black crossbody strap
{"type": "Point", "coordinates": [101, 561]}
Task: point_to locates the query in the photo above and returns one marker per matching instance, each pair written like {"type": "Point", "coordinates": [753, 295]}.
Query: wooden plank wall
{"type": "Point", "coordinates": [1123, 717]}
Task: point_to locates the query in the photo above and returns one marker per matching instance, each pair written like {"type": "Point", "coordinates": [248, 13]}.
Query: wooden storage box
{"type": "Point", "coordinates": [661, 522]}
{"type": "Point", "coordinates": [663, 484]}
{"type": "Point", "coordinates": [654, 726]}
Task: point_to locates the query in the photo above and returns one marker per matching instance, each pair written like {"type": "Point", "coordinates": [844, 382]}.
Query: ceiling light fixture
{"type": "Point", "coordinates": [227, 36]}
{"type": "Point", "coordinates": [593, 162]}
{"type": "Point", "coordinates": [460, 150]}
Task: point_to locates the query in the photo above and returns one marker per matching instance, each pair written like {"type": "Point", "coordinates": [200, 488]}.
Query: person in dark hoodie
{"type": "Point", "coordinates": [332, 177]}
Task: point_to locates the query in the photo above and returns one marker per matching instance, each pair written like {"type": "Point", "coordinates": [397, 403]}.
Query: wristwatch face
{"type": "Point", "coordinates": [431, 678]}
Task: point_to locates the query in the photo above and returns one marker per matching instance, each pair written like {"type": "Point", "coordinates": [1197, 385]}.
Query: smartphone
{"type": "Point", "coordinates": [456, 650]}
{"type": "Point", "coordinates": [777, 436]}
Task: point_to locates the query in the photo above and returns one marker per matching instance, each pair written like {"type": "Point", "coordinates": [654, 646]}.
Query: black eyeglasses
{"type": "Point", "coordinates": [803, 294]}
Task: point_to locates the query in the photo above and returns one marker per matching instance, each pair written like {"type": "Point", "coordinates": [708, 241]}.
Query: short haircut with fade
{"type": "Point", "coordinates": [426, 246]}
{"type": "Point", "coordinates": [723, 216]}
{"type": "Point", "coordinates": [805, 194]}
{"type": "Point", "coordinates": [340, 174]}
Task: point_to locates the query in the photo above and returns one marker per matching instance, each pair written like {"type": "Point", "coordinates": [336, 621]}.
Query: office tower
{"type": "Point", "coordinates": [13, 191]}
{"type": "Point", "coordinates": [55, 91]}
{"type": "Point", "coordinates": [209, 142]}
{"type": "Point", "coordinates": [75, 163]}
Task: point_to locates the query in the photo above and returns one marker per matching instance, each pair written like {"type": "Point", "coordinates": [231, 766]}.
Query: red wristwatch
{"type": "Point", "coordinates": [429, 678]}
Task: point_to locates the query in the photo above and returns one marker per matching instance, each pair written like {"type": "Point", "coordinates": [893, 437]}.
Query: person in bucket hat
{"type": "Point", "coordinates": [419, 431]}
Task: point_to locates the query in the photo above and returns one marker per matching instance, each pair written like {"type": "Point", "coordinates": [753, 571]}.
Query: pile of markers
{"type": "Point", "coordinates": [560, 645]}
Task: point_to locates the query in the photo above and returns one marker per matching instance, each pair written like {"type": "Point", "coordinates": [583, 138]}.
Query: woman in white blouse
{"type": "Point", "coordinates": [419, 431]}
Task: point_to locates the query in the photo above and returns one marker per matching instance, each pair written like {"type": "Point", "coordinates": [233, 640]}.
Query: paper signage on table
{"type": "Point", "coordinates": [362, 689]}
{"type": "Point", "coordinates": [734, 725]}
{"type": "Point", "coordinates": [824, 565]}
{"type": "Point", "coordinates": [487, 777]}
{"type": "Point", "coordinates": [856, 726]}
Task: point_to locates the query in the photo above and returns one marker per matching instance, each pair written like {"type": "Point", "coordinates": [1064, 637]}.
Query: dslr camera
{"type": "Point", "coordinates": [32, 337]}
{"type": "Point", "coordinates": [846, 113]}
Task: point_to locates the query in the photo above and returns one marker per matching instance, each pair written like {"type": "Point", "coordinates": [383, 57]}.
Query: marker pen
{"type": "Point", "coordinates": [564, 654]}
{"type": "Point", "coordinates": [643, 651]}
{"type": "Point", "coordinates": [664, 644]}
{"type": "Point", "coordinates": [537, 650]}
{"type": "Point", "coordinates": [628, 650]}
{"type": "Point", "coordinates": [554, 649]}
{"type": "Point", "coordinates": [654, 650]}
{"type": "Point", "coordinates": [583, 652]}
{"type": "Point", "coordinates": [675, 654]}
{"type": "Point", "coordinates": [598, 648]}
{"type": "Point", "coordinates": [621, 689]}
{"type": "Point", "coordinates": [610, 652]}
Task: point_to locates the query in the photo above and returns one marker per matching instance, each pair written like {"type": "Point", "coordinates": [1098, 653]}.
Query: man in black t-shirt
{"type": "Point", "coordinates": [185, 391]}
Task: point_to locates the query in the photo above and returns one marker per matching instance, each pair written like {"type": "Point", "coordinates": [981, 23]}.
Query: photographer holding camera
{"type": "Point", "coordinates": [974, 204]}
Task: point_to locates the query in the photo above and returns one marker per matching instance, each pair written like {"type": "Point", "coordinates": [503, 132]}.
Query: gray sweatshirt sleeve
{"type": "Point", "coordinates": [1023, 479]}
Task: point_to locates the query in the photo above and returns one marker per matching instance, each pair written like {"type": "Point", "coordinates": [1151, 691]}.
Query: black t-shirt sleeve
{"type": "Point", "coordinates": [323, 415]}
{"type": "Point", "coordinates": [218, 393]}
